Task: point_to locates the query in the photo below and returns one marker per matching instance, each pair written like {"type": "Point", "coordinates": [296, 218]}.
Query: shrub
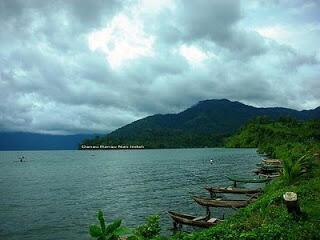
{"type": "Point", "coordinates": [293, 169]}
{"type": "Point", "coordinates": [149, 230]}
{"type": "Point", "coordinates": [112, 232]}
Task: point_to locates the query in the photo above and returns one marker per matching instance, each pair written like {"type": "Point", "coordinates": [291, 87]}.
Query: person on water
{"type": "Point", "coordinates": [22, 159]}
{"type": "Point", "coordinates": [211, 161]}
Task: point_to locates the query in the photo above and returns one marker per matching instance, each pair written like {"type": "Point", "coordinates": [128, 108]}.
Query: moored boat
{"type": "Point", "coordinates": [222, 203]}
{"type": "Point", "coordinates": [269, 175]}
{"type": "Point", "coordinates": [232, 190]}
{"type": "Point", "coordinates": [271, 167]}
{"type": "Point", "coordinates": [272, 161]}
{"type": "Point", "coordinates": [247, 180]}
{"type": "Point", "coordinates": [203, 221]}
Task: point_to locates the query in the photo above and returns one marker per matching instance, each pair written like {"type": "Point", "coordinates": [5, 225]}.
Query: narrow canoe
{"type": "Point", "coordinates": [232, 190]}
{"type": "Point", "coordinates": [221, 203]}
{"type": "Point", "coordinates": [269, 175]}
{"type": "Point", "coordinates": [257, 171]}
{"type": "Point", "coordinates": [247, 180]}
{"type": "Point", "coordinates": [269, 170]}
{"type": "Point", "coordinates": [272, 161]}
{"type": "Point", "coordinates": [271, 167]}
{"type": "Point", "coordinates": [193, 220]}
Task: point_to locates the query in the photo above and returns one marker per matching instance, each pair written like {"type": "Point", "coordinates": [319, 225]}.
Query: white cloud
{"type": "Point", "coordinates": [122, 40]}
{"type": "Point", "coordinates": [277, 33]}
{"type": "Point", "coordinates": [154, 6]}
{"type": "Point", "coordinates": [193, 54]}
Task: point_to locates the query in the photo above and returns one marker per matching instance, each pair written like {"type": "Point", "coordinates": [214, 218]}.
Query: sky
{"type": "Point", "coordinates": [81, 66]}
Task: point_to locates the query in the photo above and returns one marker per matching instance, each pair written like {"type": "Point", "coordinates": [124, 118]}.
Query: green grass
{"type": "Point", "coordinates": [268, 218]}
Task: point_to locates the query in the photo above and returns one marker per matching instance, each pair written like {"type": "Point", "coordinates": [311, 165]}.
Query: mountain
{"type": "Point", "coordinates": [204, 124]}
{"type": "Point", "coordinates": [33, 141]}
{"type": "Point", "coordinates": [218, 116]}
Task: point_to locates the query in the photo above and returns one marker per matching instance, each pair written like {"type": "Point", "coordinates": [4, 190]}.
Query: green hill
{"type": "Point", "coordinates": [204, 124]}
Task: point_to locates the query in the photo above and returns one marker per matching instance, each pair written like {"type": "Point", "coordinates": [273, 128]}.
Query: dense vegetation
{"type": "Point", "coordinates": [297, 144]}
{"type": "Point", "coordinates": [205, 124]}
{"type": "Point", "coordinates": [160, 139]}
{"type": "Point", "coordinates": [278, 138]}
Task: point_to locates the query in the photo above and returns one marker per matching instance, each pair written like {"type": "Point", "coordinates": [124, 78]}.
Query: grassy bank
{"type": "Point", "coordinates": [268, 217]}
{"type": "Point", "coordinates": [295, 143]}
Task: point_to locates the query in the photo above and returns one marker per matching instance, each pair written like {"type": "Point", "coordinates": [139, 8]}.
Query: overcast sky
{"type": "Point", "coordinates": [81, 66]}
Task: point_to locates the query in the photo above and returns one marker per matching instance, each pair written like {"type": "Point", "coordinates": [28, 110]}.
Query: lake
{"type": "Point", "coordinates": [56, 194]}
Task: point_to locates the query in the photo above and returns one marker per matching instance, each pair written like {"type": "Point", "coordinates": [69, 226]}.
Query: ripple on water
{"type": "Point", "coordinates": [57, 194]}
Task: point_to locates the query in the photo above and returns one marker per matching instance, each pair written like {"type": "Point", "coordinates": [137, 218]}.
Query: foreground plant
{"type": "Point", "coordinates": [293, 169]}
{"type": "Point", "coordinates": [112, 232]}
{"type": "Point", "coordinates": [150, 230]}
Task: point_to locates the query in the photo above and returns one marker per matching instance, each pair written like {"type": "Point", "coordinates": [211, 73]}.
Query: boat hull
{"type": "Point", "coordinates": [245, 180]}
{"type": "Point", "coordinates": [233, 190]}
{"type": "Point", "coordinates": [188, 220]}
{"type": "Point", "coordinates": [221, 203]}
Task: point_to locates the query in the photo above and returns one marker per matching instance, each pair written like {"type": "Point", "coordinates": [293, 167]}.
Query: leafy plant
{"type": "Point", "coordinates": [112, 232]}
{"type": "Point", "coordinates": [293, 169]}
{"type": "Point", "coordinates": [149, 230]}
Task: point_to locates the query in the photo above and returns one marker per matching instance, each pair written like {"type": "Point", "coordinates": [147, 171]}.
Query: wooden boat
{"type": "Point", "coordinates": [257, 171]}
{"type": "Point", "coordinates": [221, 203]}
{"type": "Point", "coordinates": [203, 221]}
{"type": "Point", "coordinates": [269, 175]}
{"type": "Point", "coordinates": [232, 190]}
{"type": "Point", "coordinates": [271, 161]}
{"type": "Point", "coordinates": [247, 180]}
{"type": "Point", "coordinates": [269, 170]}
{"type": "Point", "coordinates": [270, 167]}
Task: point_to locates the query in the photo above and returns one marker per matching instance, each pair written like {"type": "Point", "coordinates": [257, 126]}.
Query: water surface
{"type": "Point", "coordinates": [56, 194]}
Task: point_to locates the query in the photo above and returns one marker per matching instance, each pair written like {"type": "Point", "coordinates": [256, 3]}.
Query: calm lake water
{"type": "Point", "coordinates": [56, 194]}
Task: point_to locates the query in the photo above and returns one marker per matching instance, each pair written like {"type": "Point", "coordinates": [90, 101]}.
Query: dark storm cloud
{"type": "Point", "coordinates": [55, 82]}
{"type": "Point", "coordinates": [88, 13]}
{"type": "Point", "coordinates": [194, 20]}
{"type": "Point", "coordinates": [212, 19]}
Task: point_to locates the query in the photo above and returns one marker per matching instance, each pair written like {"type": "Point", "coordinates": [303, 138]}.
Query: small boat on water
{"type": "Point", "coordinates": [232, 190]}
{"type": "Point", "coordinates": [256, 171]}
{"type": "Point", "coordinates": [272, 161]}
{"type": "Point", "coordinates": [271, 167]}
{"type": "Point", "coordinates": [269, 175]}
{"type": "Point", "coordinates": [202, 221]}
{"type": "Point", "coordinates": [222, 203]}
{"type": "Point", "coordinates": [268, 170]}
{"type": "Point", "coordinates": [247, 180]}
